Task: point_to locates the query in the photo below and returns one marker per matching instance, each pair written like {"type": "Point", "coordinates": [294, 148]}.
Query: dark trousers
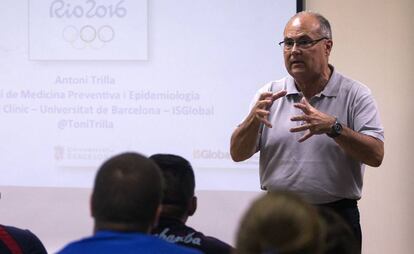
{"type": "Point", "coordinates": [348, 210]}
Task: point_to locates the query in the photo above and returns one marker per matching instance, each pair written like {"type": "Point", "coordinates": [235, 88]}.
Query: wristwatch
{"type": "Point", "coordinates": [336, 129]}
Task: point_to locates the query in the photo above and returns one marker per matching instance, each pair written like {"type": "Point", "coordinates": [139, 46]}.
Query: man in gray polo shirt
{"type": "Point", "coordinates": [315, 129]}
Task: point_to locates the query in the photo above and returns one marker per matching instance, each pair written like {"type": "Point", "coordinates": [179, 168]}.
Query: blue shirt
{"type": "Point", "coordinates": [105, 242]}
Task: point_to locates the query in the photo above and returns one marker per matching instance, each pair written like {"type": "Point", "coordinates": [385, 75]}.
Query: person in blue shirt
{"type": "Point", "coordinates": [125, 204]}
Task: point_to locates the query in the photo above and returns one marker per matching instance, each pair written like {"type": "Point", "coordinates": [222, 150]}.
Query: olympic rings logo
{"type": "Point", "coordinates": [88, 36]}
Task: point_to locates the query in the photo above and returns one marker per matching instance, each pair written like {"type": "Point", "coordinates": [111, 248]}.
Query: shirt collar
{"type": "Point", "coordinates": [331, 89]}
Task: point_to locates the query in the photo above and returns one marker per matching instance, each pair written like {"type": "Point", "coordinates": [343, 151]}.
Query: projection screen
{"type": "Point", "coordinates": [82, 80]}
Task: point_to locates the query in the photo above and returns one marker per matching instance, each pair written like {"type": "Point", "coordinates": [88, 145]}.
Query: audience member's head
{"type": "Point", "coordinates": [17, 240]}
{"type": "Point", "coordinates": [179, 184]}
{"type": "Point", "coordinates": [339, 238]}
{"type": "Point", "coordinates": [280, 222]}
{"type": "Point", "coordinates": [127, 194]}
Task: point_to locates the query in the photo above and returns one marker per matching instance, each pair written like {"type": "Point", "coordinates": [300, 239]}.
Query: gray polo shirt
{"type": "Point", "coordinates": [317, 169]}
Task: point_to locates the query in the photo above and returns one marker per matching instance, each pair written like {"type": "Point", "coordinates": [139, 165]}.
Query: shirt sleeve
{"type": "Point", "coordinates": [366, 119]}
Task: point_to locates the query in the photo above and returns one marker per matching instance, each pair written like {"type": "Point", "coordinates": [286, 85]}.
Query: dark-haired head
{"type": "Point", "coordinates": [178, 200]}
{"type": "Point", "coordinates": [127, 193]}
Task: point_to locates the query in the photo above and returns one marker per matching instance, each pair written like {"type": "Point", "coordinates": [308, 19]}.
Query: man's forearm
{"type": "Point", "coordinates": [244, 139]}
{"type": "Point", "coordinates": [364, 148]}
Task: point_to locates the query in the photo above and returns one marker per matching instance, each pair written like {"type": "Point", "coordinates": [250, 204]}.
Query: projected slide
{"type": "Point", "coordinates": [82, 80]}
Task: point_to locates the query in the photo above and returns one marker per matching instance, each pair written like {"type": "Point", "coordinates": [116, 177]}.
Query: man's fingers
{"type": "Point", "coordinates": [305, 137]}
{"type": "Point", "coordinates": [264, 104]}
{"type": "Point", "coordinates": [300, 118]}
{"type": "Point", "coordinates": [302, 107]}
{"type": "Point", "coordinates": [305, 101]}
{"type": "Point", "coordinates": [278, 95]}
{"type": "Point", "coordinates": [266, 122]}
{"type": "Point", "coordinates": [265, 95]}
{"type": "Point", "coordinates": [300, 128]}
{"type": "Point", "coordinates": [263, 115]}
{"type": "Point", "coordinates": [262, 112]}
{"type": "Point", "coordinates": [265, 101]}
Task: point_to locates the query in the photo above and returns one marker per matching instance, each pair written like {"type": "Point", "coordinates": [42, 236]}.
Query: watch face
{"type": "Point", "coordinates": [335, 130]}
{"type": "Point", "coordinates": [337, 127]}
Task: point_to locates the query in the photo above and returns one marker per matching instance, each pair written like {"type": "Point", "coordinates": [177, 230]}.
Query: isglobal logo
{"type": "Point", "coordinates": [87, 9]}
{"type": "Point", "coordinates": [88, 29]}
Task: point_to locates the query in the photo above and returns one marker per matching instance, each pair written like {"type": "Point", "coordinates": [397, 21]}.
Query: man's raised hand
{"type": "Point", "coordinates": [263, 104]}
{"type": "Point", "coordinates": [315, 122]}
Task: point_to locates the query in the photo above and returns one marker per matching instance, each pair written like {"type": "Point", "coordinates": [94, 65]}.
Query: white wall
{"type": "Point", "coordinates": [374, 43]}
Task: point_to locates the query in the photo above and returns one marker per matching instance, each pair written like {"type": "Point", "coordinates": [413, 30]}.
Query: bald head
{"type": "Point", "coordinates": [313, 21]}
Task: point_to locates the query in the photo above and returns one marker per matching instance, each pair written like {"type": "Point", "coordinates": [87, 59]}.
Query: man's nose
{"type": "Point", "coordinates": [295, 49]}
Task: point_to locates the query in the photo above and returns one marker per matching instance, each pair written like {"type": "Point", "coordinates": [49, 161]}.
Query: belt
{"type": "Point", "coordinates": [341, 204]}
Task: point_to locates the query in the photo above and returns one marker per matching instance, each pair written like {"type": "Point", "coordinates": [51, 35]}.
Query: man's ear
{"type": "Point", "coordinates": [192, 206]}
{"type": "Point", "coordinates": [328, 47]}
{"type": "Point", "coordinates": [157, 216]}
{"type": "Point", "coordinates": [90, 207]}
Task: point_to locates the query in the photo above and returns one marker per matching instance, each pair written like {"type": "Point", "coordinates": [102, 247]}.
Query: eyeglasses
{"type": "Point", "coordinates": [303, 43]}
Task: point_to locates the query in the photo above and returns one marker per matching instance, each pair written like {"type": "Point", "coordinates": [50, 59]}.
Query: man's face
{"type": "Point", "coordinates": [306, 60]}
